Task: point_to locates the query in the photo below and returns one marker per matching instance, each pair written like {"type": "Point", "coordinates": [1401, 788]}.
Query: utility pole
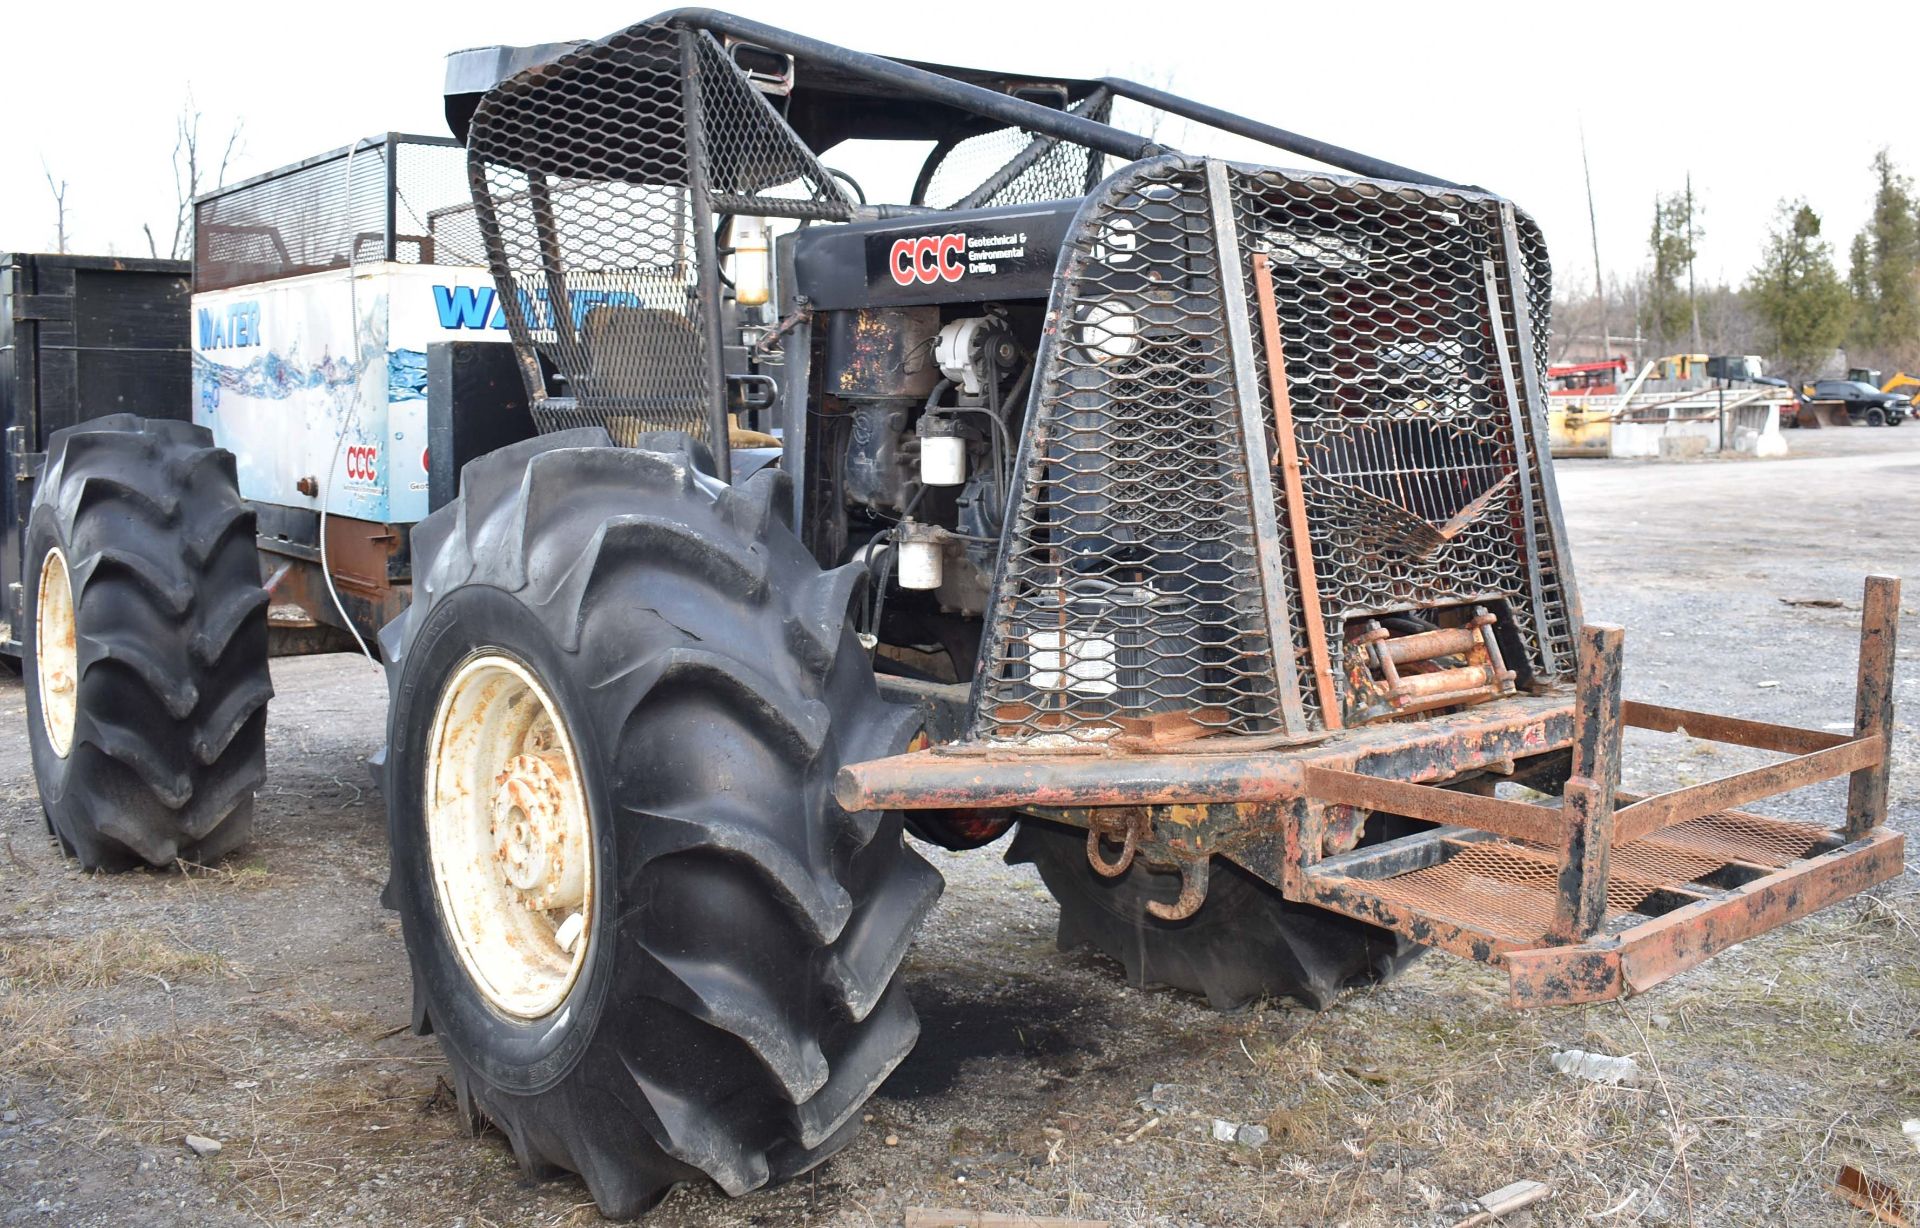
{"type": "Point", "coordinates": [1593, 228]}
{"type": "Point", "coordinates": [1693, 303]}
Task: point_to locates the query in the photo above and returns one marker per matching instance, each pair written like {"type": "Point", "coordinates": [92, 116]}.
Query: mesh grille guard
{"type": "Point", "coordinates": [597, 178]}
{"type": "Point", "coordinates": [1148, 571]}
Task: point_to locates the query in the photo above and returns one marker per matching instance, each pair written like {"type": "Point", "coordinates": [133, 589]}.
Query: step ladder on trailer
{"type": "Point", "coordinates": [1599, 894]}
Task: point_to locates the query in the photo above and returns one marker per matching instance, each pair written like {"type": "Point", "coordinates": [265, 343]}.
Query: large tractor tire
{"type": "Point", "coordinates": [1244, 943]}
{"type": "Point", "coordinates": [146, 645]}
{"type": "Point", "coordinates": [652, 947]}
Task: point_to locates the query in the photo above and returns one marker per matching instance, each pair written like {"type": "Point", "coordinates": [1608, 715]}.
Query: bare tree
{"type": "Point", "coordinates": [59, 191]}
{"type": "Point", "coordinates": [192, 175]}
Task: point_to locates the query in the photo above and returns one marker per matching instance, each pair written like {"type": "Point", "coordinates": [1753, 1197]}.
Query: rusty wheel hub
{"type": "Point", "coordinates": [510, 836]}
{"type": "Point", "coordinates": [540, 836]}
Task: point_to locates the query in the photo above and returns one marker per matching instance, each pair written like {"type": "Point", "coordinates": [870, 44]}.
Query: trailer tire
{"type": "Point", "coordinates": [147, 705]}
{"type": "Point", "coordinates": [1245, 943]}
{"type": "Point", "coordinates": [732, 998]}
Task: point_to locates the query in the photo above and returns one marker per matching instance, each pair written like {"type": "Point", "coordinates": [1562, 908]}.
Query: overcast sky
{"type": "Point", "coordinates": [1756, 104]}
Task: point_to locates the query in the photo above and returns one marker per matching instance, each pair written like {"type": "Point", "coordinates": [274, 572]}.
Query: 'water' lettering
{"type": "Point", "coordinates": [235, 326]}
{"type": "Point", "coordinates": [470, 307]}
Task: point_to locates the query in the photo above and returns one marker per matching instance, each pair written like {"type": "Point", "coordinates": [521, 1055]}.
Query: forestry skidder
{"type": "Point", "coordinates": [1194, 517]}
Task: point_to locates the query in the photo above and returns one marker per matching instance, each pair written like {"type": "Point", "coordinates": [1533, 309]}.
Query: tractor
{"type": "Point", "coordinates": [1188, 524]}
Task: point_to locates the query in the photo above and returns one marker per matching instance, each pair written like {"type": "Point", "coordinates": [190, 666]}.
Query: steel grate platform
{"type": "Point", "coordinates": [1509, 889]}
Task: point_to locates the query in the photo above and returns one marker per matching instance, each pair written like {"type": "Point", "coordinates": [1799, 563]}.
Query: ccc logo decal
{"type": "Point", "coordinates": [928, 259]}
{"type": "Point", "coordinates": [363, 463]}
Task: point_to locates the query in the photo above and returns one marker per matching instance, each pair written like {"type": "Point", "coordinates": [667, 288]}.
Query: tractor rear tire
{"type": "Point", "coordinates": [1245, 943]}
{"type": "Point", "coordinates": [147, 702]}
{"type": "Point", "coordinates": [732, 999]}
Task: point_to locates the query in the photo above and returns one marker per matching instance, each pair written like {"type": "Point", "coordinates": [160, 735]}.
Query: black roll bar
{"type": "Point", "coordinates": [1036, 118]}
{"type": "Point", "coordinates": [1267, 134]}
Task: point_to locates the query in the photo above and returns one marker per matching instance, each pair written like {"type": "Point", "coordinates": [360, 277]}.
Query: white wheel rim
{"type": "Point", "coordinates": [57, 652]}
{"type": "Point", "coordinates": [509, 836]}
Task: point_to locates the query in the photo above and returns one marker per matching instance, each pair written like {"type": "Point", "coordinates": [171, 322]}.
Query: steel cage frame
{"type": "Point", "coordinates": [387, 145]}
{"type": "Point", "coordinates": [707, 204]}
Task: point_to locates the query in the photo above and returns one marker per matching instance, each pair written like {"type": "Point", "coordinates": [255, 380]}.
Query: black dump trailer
{"type": "Point", "coordinates": [81, 337]}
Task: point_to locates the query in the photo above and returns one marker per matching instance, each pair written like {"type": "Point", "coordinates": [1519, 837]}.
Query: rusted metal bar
{"type": "Point", "coordinates": [1518, 820]}
{"type": "Point", "coordinates": [1314, 617]}
{"type": "Point", "coordinates": [1437, 749]}
{"type": "Point", "coordinates": [1873, 701]}
{"type": "Point", "coordinates": [1464, 680]}
{"type": "Point", "coordinates": [1640, 958]}
{"type": "Point", "coordinates": [1728, 792]}
{"type": "Point", "coordinates": [1426, 645]}
{"type": "Point", "coordinates": [1587, 804]}
{"type": "Point", "coordinates": [1760, 735]}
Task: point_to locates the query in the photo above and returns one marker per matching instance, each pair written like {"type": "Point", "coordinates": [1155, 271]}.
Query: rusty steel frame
{"type": "Point", "coordinates": [1645, 955]}
{"type": "Point", "coordinates": [1586, 806]}
{"type": "Point", "coordinates": [371, 572]}
{"type": "Point", "coordinates": [1265, 807]}
{"type": "Point", "coordinates": [1572, 962]}
{"type": "Point", "coordinates": [1213, 770]}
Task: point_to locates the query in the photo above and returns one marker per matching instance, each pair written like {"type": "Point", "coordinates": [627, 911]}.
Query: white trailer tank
{"type": "Point", "coordinates": [317, 289]}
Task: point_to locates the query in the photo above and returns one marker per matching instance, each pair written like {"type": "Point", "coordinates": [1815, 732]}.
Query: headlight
{"type": "Point", "coordinates": [1108, 330]}
{"type": "Point", "coordinates": [1068, 661]}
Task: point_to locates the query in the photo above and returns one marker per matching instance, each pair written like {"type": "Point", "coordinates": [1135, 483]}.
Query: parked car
{"type": "Point", "coordinates": [1864, 402]}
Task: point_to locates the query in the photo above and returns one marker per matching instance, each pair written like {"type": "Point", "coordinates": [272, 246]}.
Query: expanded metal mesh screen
{"type": "Point", "coordinates": [1411, 423]}
{"type": "Point", "coordinates": [1011, 166]}
{"type": "Point", "coordinates": [1512, 889]}
{"type": "Point", "coordinates": [402, 198]}
{"type": "Point", "coordinates": [1131, 581]}
{"type": "Point", "coordinates": [598, 177]}
{"type": "Point", "coordinates": [1134, 581]}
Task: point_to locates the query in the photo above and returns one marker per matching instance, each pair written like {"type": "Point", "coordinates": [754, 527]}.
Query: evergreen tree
{"type": "Point", "coordinates": [1885, 272]}
{"type": "Point", "coordinates": [1860, 271]}
{"type": "Point", "coordinates": [1796, 292]}
{"type": "Point", "coordinates": [1666, 314]}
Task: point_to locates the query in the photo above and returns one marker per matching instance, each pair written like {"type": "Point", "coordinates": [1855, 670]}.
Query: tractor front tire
{"type": "Point", "coordinates": [145, 646]}
{"type": "Point", "coordinates": [652, 947]}
{"type": "Point", "coordinates": [1244, 943]}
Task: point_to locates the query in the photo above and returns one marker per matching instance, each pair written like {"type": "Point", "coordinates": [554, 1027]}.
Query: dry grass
{"type": "Point", "coordinates": [296, 1097]}
{"type": "Point", "coordinates": [1758, 1080]}
{"type": "Point", "coordinates": [247, 876]}
{"type": "Point", "coordinates": [102, 960]}
{"type": "Point", "coordinates": [296, 1101]}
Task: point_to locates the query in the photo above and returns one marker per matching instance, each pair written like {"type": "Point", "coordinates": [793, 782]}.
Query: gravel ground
{"type": "Point", "coordinates": [262, 1003]}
